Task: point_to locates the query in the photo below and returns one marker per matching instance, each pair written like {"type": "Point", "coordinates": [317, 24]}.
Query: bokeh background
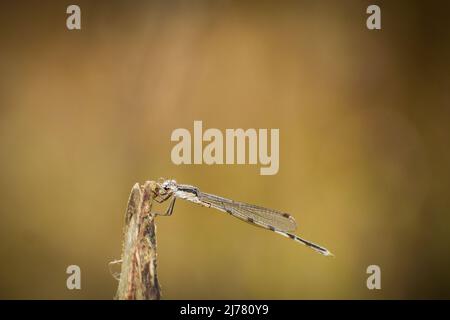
{"type": "Point", "coordinates": [364, 152]}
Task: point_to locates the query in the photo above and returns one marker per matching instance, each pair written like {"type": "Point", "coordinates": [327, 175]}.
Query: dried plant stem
{"type": "Point", "coordinates": [138, 277]}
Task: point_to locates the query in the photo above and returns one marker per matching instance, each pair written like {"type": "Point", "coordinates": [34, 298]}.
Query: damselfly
{"type": "Point", "coordinates": [276, 221]}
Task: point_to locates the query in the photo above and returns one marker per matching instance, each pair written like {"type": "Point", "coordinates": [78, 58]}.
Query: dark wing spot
{"type": "Point", "coordinates": [286, 215]}
{"type": "Point", "coordinates": [293, 237]}
{"type": "Point", "coordinates": [250, 220]}
{"type": "Point", "coordinates": [271, 228]}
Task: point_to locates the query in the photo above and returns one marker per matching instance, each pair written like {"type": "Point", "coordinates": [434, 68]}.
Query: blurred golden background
{"type": "Point", "coordinates": [364, 153]}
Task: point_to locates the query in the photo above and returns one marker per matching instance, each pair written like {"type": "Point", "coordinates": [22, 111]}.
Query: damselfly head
{"type": "Point", "coordinates": [169, 185]}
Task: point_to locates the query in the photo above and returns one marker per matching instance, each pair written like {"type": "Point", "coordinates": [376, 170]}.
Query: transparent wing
{"type": "Point", "coordinates": [259, 215]}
